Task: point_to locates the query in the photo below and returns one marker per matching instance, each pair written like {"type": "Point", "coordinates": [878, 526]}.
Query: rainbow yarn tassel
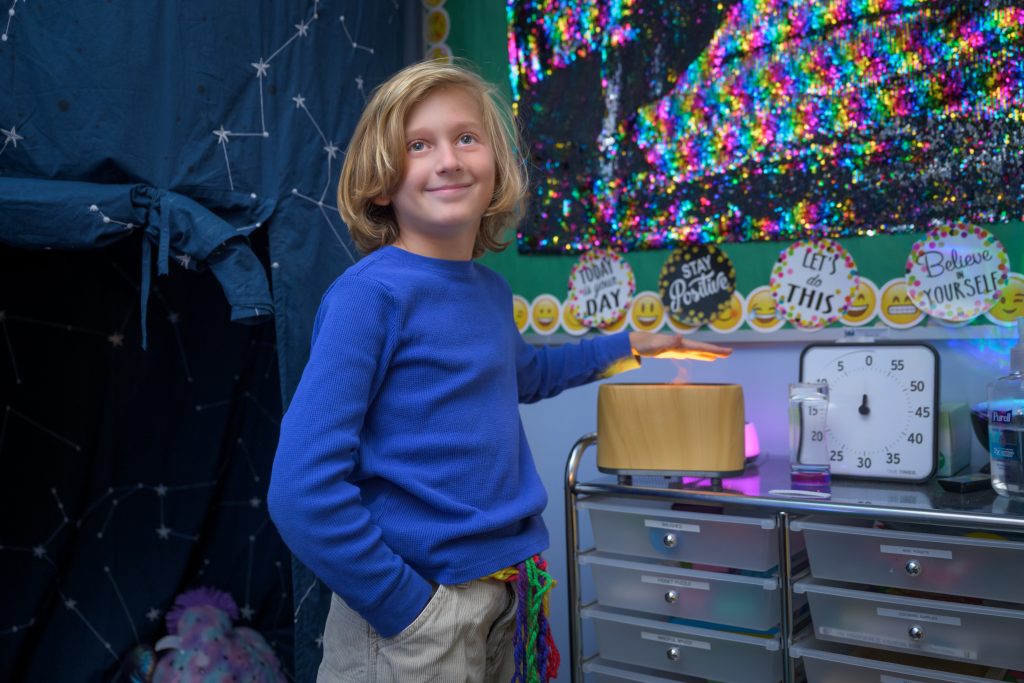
{"type": "Point", "coordinates": [536, 655]}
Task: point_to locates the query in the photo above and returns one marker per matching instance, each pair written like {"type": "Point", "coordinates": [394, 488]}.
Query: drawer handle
{"type": "Point", "coordinates": [671, 597]}
{"type": "Point", "coordinates": [915, 632]}
{"type": "Point", "coordinates": [673, 654]}
{"type": "Point", "coordinates": [669, 540]}
{"type": "Point", "coordinates": [913, 568]}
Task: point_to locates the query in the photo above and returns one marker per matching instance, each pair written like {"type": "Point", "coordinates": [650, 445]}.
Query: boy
{"type": "Point", "coordinates": [403, 478]}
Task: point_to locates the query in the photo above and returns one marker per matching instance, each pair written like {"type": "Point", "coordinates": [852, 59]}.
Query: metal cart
{"type": "Point", "coordinates": [921, 504]}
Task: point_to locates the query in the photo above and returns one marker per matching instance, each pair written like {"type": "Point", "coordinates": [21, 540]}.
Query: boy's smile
{"type": "Point", "coordinates": [448, 181]}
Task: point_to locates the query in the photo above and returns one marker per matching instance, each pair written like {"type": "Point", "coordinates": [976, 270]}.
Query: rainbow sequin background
{"type": "Point", "coordinates": [649, 122]}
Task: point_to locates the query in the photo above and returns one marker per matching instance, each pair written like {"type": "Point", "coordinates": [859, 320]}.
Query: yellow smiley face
{"type": "Point", "coordinates": [435, 26]}
{"type": "Point", "coordinates": [863, 305]}
{"type": "Point", "coordinates": [520, 312]}
{"type": "Point", "coordinates": [730, 317]}
{"type": "Point", "coordinates": [439, 53]}
{"type": "Point", "coordinates": [761, 312]}
{"type": "Point", "coordinates": [895, 306]}
{"type": "Point", "coordinates": [544, 312]}
{"type": "Point", "coordinates": [647, 313]}
{"type": "Point", "coordinates": [617, 326]}
{"type": "Point", "coordinates": [571, 323]}
{"type": "Point", "coordinates": [681, 327]}
{"type": "Point", "coordinates": [1011, 302]}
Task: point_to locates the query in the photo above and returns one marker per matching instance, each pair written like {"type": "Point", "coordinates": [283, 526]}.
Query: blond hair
{"type": "Point", "coordinates": [375, 160]}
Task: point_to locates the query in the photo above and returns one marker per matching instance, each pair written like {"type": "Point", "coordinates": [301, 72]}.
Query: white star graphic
{"type": "Point", "coordinates": [70, 603]}
{"type": "Point", "coordinates": [254, 502]}
{"type": "Point", "coordinates": [299, 101]}
{"type": "Point", "coordinates": [303, 28]}
{"type": "Point", "coordinates": [173, 318]}
{"type": "Point", "coordinates": [11, 136]}
{"type": "Point", "coordinates": [184, 260]}
{"type": "Point", "coordinates": [319, 640]}
{"type": "Point", "coordinates": [359, 82]}
{"type": "Point", "coordinates": [153, 614]}
{"type": "Point", "coordinates": [116, 339]}
{"type": "Point", "coordinates": [331, 149]}
{"type": "Point", "coordinates": [247, 612]}
{"type": "Point", "coordinates": [261, 68]}
{"type": "Point", "coordinates": [39, 551]}
{"type": "Point", "coordinates": [161, 490]}
{"type": "Point", "coordinates": [222, 135]}
{"type": "Point", "coordinates": [163, 532]}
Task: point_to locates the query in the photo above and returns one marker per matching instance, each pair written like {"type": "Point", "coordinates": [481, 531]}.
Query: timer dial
{"type": "Point", "coordinates": [882, 420]}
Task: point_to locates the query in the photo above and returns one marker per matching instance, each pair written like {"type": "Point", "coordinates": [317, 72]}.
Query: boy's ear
{"type": "Point", "coordinates": [381, 201]}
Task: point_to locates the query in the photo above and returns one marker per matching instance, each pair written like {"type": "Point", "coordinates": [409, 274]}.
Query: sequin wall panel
{"type": "Point", "coordinates": [651, 122]}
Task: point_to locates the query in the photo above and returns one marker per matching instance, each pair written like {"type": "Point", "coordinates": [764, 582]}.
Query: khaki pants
{"type": "Point", "coordinates": [463, 635]}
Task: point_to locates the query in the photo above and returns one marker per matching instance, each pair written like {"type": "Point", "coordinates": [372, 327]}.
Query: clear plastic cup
{"type": "Point", "coordinates": [808, 435]}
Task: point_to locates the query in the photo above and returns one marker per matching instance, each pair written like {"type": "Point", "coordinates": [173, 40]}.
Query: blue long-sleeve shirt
{"type": "Point", "coordinates": [402, 459]}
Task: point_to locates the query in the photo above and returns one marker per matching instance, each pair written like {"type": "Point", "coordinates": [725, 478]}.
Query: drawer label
{"type": "Point", "coordinates": [674, 526]}
{"type": "Point", "coordinates": [894, 679]}
{"type": "Point", "coordinates": [918, 552]}
{"type": "Point", "coordinates": [677, 583]}
{"type": "Point", "coordinates": [900, 643]}
{"type": "Point", "coordinates": [861, 636]}
{"type": "Point", "coordinates": [951, 652]}
{"type": "Point", "coordinates": [672, 640]}
{"type": "Point", "coordinates": [918, 616]}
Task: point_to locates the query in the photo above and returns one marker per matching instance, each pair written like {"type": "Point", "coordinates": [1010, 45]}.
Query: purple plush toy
{"type": "Point", "coordinates": [205, 648]}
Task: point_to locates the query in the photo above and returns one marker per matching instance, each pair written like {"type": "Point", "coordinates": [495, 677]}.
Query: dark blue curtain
{"type": "Point", "coordinates": [167, 171]}
{"type": "Point", "coordinates": [128, 475]}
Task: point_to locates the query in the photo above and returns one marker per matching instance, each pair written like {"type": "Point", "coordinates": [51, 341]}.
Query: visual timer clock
{"type": "Point", "coordinates": [883, 410]}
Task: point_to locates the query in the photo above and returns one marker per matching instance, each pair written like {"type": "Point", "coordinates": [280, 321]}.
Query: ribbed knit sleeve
{"type": "Point", "coordinates": [545, 371]}
{"type": "Point", "coordinates": [316, 508]}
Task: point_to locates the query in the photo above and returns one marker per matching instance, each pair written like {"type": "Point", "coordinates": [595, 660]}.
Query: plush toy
{"type": "Point", "coordinates": [202, 646]}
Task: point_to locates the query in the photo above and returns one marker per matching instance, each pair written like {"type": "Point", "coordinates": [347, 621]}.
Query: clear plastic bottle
{"type": "Point", "coordinates": [1006, 424]}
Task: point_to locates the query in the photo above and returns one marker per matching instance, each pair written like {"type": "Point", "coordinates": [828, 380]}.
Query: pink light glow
{"type": "Point", "coordinates": [751, 445]}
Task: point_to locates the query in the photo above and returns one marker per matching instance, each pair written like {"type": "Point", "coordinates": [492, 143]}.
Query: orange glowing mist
{"type": "Point", "coordinates": [682, 376]}
{"type": "Point", "coordinates": [690, 354]}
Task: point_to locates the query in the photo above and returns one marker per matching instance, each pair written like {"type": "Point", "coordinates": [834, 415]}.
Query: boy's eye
{"type": "Point", "coordinates": [417, 146]}
{"type": "Point", "coordinates": [467, 139]}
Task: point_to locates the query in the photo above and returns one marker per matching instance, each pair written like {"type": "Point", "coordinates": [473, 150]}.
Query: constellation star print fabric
{"type": "Point", "coordinates": [147, 139]}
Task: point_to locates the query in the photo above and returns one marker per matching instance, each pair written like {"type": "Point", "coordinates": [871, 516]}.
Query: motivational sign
{"type": "Point", "coordinates": [956, 272]}
{"type": "Point", "coordinates": [813, 282]}
{"type": "Point", "coordinates": [696, 283]}
{"type": "Point", "coordinates": [601, 286]}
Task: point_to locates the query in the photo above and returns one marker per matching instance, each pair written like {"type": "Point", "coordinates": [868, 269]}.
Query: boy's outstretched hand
{"type": "Point", "coordinates": [676, 346]}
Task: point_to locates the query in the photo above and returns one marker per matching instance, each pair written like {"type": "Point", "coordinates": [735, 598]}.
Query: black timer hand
{"type": "Point", "coordinates": [864, 410]}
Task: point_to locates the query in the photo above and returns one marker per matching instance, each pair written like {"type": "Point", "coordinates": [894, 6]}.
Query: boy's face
{"type": "Point", "coordinates": [449, 174]}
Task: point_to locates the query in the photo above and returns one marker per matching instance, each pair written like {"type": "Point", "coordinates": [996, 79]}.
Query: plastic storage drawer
{"type": "Point", "coordinates": [721, 656]}
{"type": "Point", "coordinates": [993, 636]}
{"type": "Point", "coordinates": [652, 529]}
{"type": "Point", "coordinates": [609, 672]}
{"type": "Point", "coordinates": [830, 663]}
{"type": "Point", "coordinates": [712, 597]}
{"type": "Point", "coordinates": [947, 564]}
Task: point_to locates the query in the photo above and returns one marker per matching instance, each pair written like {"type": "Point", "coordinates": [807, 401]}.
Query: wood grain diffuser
{"type": "Point", "coordinates": [652, 429]}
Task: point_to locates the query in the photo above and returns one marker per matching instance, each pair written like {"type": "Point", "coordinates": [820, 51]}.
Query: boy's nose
{"type": "Point", "coordinates": [448, 159]}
